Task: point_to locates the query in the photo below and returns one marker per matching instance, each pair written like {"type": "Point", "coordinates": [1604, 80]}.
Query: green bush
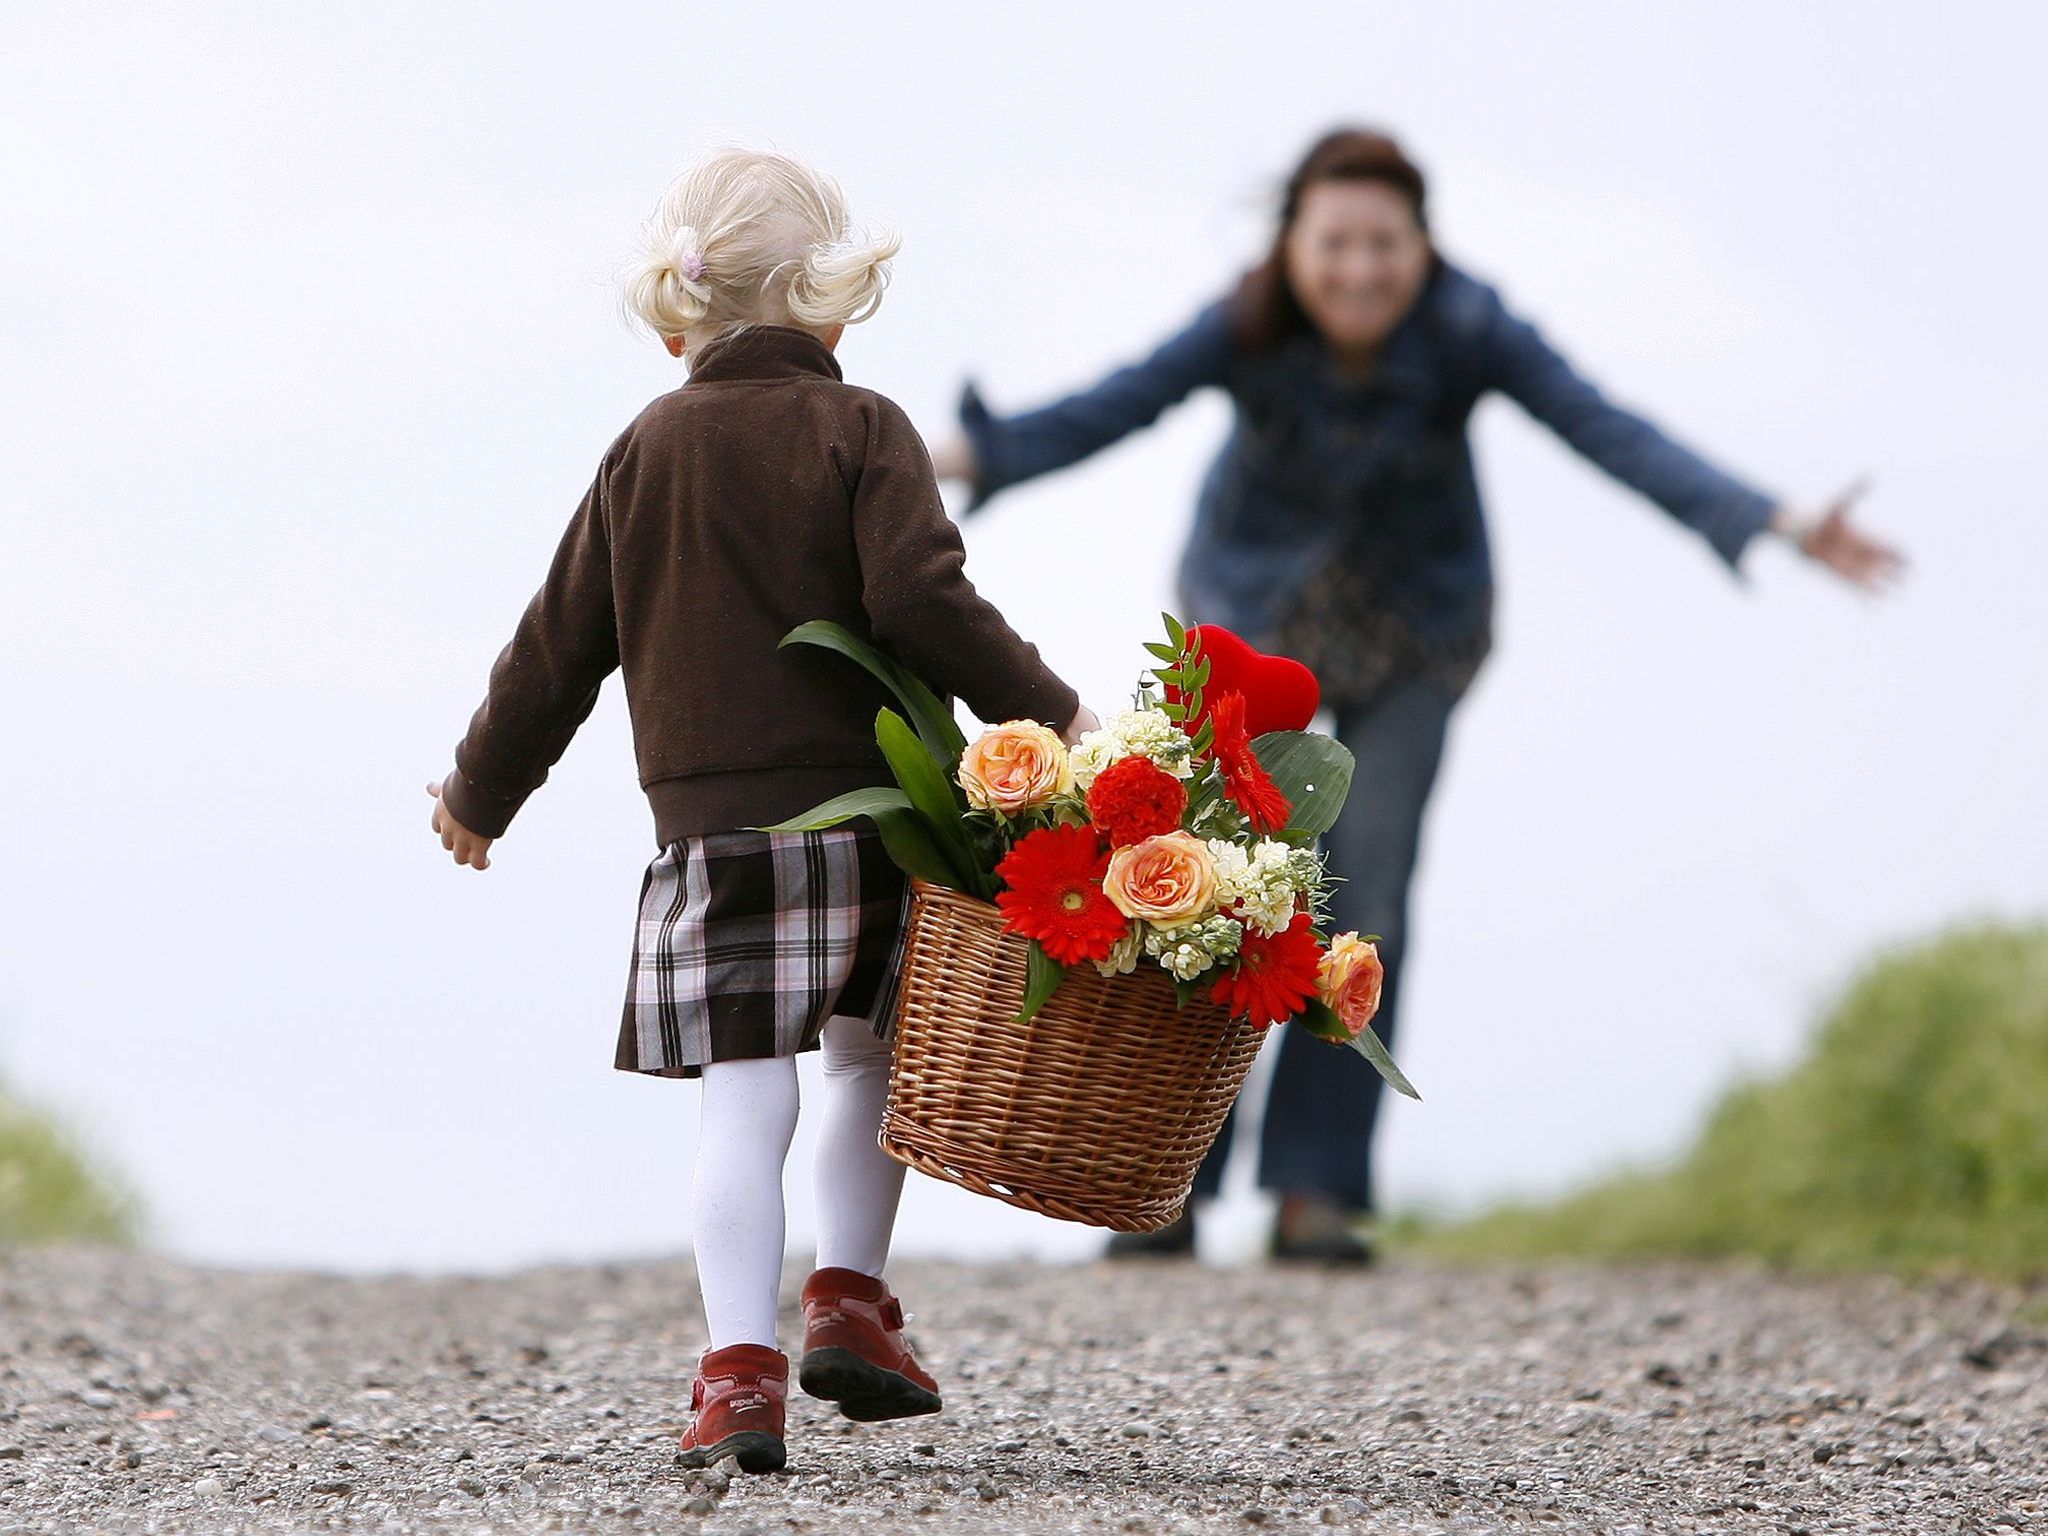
{"type": "Point", "coordinates": [1912, 1137]}
{"type": "Point", "coordinates": [47, 1191]}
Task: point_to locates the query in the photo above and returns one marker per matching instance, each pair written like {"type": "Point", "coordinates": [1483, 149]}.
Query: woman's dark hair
{"type": "Point", "coordinates": [1264, 311]}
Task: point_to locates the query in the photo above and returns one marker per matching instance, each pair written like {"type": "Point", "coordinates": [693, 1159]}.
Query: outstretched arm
{"type": "Point", "coordinates": [1721, 509]}
{"type": "Point", "coordinates": [992, 453]}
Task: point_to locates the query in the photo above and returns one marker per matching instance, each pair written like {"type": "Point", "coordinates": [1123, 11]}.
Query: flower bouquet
{"type": "Point", "coordinates": [1099, 936]}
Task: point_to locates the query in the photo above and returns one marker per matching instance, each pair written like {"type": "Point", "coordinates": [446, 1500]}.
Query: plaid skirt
{"type": "Point", "coordinates": [749, 941]}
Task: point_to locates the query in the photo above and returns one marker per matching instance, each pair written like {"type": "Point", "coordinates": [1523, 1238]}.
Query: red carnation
{"type": "Point", "coordinates": [1250, 787]}
{"type": "Point", "coordinates": [1053, 893]}
{"type": "Point", "coordinates": [1133, 799]}
{"type": "Point", "coordinates": [1272, 979]}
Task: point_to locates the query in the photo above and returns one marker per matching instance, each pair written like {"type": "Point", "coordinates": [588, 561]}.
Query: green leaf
{"type": "Point", "coordinates": [1202, 673]}
{"type": "Point", "coordinates": [1368, 1045]}
{"type": "Point", "coordinates": [1176, 634]}
{"type": "Point", "coordinates": [1042, 978]}
{"type": "Point", "coordinates": [1163, 652]}
{"type": "Point", "coordinates": [855, 802]}
{"type": "Point", "coordinates": [934, 797]}
{"type": "Point", "coordinates": [1298, 759]}
{"type": "Point", "coordinates": [1204, 791]}
{"type": "Point", "coordinates": [936, 726]}
{"type": "Point", "coordinates": [1321, 1020]}
{"type": "Point", "coordinates": [1205, 738]}
{"type": "Point", "coordinates": [908, 838]}
{"type": "Point", "coordinates": [1185, 992]}
{"type": "Point", "coordinates": [1173, 711]}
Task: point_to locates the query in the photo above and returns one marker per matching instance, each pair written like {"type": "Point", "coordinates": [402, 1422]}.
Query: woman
{"type": "Point", "coordinates": [1342, 525]}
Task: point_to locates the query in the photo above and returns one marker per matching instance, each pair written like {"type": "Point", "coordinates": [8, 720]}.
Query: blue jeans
{"type": "Point", "coordinates": [1324, 1100]}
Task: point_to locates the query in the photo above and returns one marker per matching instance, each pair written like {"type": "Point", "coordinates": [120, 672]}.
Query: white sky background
{"type": "Point", "coordinates": [308, 347]}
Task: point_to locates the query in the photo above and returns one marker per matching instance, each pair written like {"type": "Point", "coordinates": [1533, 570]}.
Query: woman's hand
{"type": "Point", "coordinates": [1084, 721]}
{"type": "Point", "coordinates": [953, 459]}
{"type": "Point", "coordinates": [467, 847]}
{"type": "Point", "coordinates": [1830, 539]}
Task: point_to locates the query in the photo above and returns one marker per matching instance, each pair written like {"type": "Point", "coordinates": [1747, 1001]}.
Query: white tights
{"type": "Point", "coordinates": [737, 1222]}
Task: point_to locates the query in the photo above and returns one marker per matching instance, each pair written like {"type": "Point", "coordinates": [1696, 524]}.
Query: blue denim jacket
{"type": "Point", "coordinates": [1320, 466]}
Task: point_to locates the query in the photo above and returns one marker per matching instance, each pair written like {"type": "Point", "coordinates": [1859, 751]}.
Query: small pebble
{"type": "Point", "coordinates": [208, 1488]}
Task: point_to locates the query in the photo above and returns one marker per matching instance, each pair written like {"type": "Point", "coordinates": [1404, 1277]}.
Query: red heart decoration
{"type": "Point", "coordinates": [1280, 694]}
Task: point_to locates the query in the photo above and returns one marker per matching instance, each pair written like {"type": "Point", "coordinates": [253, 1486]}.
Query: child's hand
{"type": "Point", "coordinates": [467, 847]}
{"type": "Point", "coordinates": [1084, 720]}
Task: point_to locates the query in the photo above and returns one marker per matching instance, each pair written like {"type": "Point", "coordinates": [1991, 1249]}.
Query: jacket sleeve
{"type": "Point", "coordinates": [919, 601]}
{"type": "Point", "coordinates": [1723, 510]}
{"type": "Point", "coordinates": [545, 681]}
{"type": "Point", "coordinates": [1010, 449]}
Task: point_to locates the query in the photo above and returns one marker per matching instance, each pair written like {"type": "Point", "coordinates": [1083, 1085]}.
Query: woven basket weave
{"type": "Point", "coordinates": [1098, 1109]}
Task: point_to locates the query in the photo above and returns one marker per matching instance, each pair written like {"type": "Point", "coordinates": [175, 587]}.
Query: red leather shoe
{"type": "Point", "coordinates": [854, 1353]}
{"type": "Point", "coordinates": [738, 1401]}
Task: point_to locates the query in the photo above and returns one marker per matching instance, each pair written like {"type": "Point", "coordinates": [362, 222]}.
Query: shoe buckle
{"type": "Point", "coordinates": [892, 1314]}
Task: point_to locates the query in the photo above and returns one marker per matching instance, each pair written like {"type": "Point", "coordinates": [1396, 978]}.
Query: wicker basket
{"type": "Point", "coordinates": [1099, 1109]}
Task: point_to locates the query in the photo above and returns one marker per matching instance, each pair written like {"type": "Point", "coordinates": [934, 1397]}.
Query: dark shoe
{"type": "Point", "coordinates": [854, 1351]}
{"type": "Point", "coordinates": [1175, 1240]}
{"type": "Point", "coordinates": [738, 1401]}
{"type": "Point", "coordinates": [1311, 1229]}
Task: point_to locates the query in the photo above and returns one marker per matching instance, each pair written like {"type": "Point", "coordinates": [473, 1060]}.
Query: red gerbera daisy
{"type": "Point", "coordinates": [1053, 893]}
{"type": "Point", "coordinates": [1133, 799]}
{"type": "Point", "coordinates": [1250, 787]}
{"type": "Point", "coordinates": [1272, 979]}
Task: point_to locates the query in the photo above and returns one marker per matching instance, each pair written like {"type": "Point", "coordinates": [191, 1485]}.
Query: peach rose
{"type": "Point", "coordinates": [1170, 878]}
{"type": "Point", "coordinates": [1013, 766]}
{"type": "Point", "coordinates": [1348, 980]}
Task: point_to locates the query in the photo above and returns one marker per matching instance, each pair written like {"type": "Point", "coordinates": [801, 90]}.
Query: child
{"type": "Point", "coordinates": [763, 493]}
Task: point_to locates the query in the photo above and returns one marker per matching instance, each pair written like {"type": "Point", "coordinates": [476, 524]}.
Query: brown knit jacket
{"type": "Point", "coordinates": [763, 493]}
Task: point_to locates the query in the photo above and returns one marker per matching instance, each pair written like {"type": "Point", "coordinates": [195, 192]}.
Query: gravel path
{"type": "Point", "coordinates": [141, 1395]}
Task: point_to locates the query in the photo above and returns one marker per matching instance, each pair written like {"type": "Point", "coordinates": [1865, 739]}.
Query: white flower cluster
{"type": "Point", "coordinates": [1264, 884]}
{"type": "Point", "coordinates": [1124, 958]}
{"type": "Point", "coordinates": [1134, 733]}
{"type": "Point", "coordinates": [1192, 948]}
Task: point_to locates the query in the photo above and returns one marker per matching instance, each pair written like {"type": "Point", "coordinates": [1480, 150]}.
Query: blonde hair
{"type": "Point", "coordinates": [751, 237]}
